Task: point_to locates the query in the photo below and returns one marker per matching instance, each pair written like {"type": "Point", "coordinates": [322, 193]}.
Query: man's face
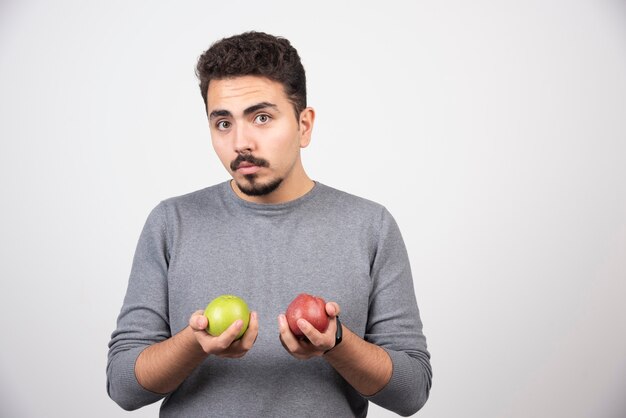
{"type": "Point", "coordinates": [255, 133]}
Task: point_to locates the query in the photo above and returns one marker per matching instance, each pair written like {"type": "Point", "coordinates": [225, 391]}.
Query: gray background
{"type": "Point", "coordinates": [494, 131]}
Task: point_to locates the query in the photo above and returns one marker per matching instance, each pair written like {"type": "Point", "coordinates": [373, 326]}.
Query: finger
{"type": "Point", "coordinates": [283, 326]}
{"type": "Point", "coordinates": [199, 324]}
{"type": "Point", "coordinates": [198, 321]}
{"type": "Point", "coordinates": [312, 334]}
{"type": "Point", "coordinates": [289, 341]}
{"type": "Point", "coordinates": [332, 309]}
{"type": "Point", "coordinates": [249, 337]}
{"type": "Point", "coordinates": [205, 340]}
{"type": "Point", "coordinates": [223, 341]}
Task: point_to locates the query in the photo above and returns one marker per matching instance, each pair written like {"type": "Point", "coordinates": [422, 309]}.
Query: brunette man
{"type": "Point", "coordinates": [267, 235]}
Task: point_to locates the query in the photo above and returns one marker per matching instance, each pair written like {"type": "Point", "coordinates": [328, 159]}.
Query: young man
{"type": "Point", "coordinates": [267, 235]}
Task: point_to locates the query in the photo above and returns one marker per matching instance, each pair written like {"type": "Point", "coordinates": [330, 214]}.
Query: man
{"type": "Point", "coordinates": [267, 235]}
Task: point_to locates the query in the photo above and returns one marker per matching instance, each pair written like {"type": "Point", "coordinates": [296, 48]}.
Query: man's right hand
{"type": "Point", "coordinates": [224, 345]}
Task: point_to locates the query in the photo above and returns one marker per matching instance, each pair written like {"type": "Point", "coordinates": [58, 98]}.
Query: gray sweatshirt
{"type": "Point", "coordinates": [328, 243]}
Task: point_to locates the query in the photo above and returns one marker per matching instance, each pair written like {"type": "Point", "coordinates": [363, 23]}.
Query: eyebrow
{"type": "Point", "coordinates": [254, 108]}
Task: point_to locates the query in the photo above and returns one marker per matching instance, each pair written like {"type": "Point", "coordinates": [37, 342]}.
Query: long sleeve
{"type": "Point", "coordinates": [394, 324]}
{"type": "Point", "coordinates": [143, 319]}
{"type": "Point", "coordinates": [210, 242]}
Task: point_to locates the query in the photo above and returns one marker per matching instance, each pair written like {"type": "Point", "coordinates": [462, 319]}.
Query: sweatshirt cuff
{"type": "Point", "coordinates": [399, 394]}
{"type": "Point", "coordinates": [125, 390]}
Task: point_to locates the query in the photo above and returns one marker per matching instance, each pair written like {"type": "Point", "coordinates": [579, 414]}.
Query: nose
{"type": "Point", "coordinates": [243, 141]}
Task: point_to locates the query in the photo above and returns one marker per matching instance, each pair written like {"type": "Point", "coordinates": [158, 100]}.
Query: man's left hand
{"type": "Point", "coordinates": [316, 343]}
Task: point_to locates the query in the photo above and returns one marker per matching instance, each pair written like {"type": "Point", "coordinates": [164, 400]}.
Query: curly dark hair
{"type": "Point", "coordinates": [255, 53]}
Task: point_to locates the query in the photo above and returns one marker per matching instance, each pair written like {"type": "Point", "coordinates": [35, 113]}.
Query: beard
{"type": "Point", "coordinates": [253, 188]}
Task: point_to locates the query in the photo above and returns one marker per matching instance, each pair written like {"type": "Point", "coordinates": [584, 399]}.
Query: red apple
{"type": "Point", "coordinates": [308, 307]}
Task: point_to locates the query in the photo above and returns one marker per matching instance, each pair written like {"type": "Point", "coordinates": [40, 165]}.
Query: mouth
{"type": "Point", "coordinates": [247, 168]}
{"type": "Point", "coordinates": [247, 164]}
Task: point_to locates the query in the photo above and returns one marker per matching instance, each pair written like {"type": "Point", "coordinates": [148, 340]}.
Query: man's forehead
{"type": "Point", "coordinates": [240, 92]}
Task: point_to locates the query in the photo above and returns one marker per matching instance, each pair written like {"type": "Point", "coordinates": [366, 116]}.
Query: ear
{"type": "Point", "coordinates": [307, 119]}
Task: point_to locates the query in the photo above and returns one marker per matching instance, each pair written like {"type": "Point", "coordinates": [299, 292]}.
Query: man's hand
{"type": "Point", "coordinates": [224, 345]}
{"type": "Point", "coordinates": [163, 366]}
{"type": "Point", "coordinates": [316, 343]}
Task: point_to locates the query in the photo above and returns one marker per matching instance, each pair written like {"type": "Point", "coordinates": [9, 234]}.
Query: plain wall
{"type": "Point", "coordinates": [494, 132]}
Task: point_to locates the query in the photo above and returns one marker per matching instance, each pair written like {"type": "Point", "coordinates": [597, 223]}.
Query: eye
{"type": "Point", "coordinates": [262, 119]}
{"type": "Point", "coordinates": [222, 125]}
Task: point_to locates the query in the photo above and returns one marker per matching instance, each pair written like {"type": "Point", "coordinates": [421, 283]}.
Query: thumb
{"type": "Point", "coordinates": [198, 321]}
{"type": "Point", "coordinates": [332, 309]}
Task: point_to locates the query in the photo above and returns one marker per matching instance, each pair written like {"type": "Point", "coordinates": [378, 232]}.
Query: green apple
{"type": "Point", "coordinates": [223, 311]}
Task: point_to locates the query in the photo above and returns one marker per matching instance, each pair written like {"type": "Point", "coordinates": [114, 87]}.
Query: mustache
{"type": "Point", "coordinates": [249, 158]}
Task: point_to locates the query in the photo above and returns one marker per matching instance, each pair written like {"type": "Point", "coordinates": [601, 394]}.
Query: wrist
{"type": "Point", "coordinates": [338, 334]}
{"type": "Point", "coordinates": [190, 344]}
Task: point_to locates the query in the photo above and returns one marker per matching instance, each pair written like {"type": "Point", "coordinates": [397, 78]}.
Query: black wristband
{"type": "Point", "coordinates": [338, 334]}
